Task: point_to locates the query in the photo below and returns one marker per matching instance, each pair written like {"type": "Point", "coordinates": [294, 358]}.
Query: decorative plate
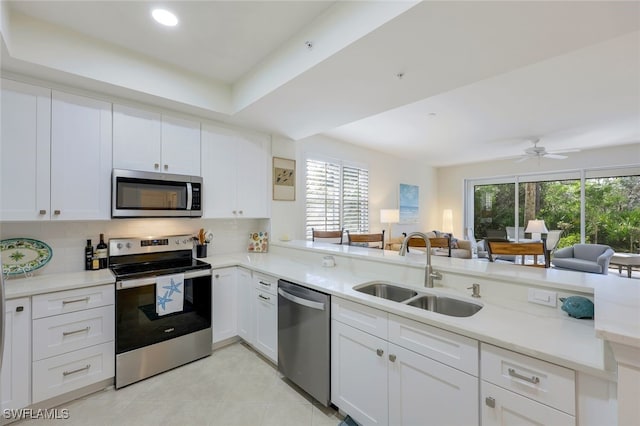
{"type": "Point", "coordinates": [22, 255]}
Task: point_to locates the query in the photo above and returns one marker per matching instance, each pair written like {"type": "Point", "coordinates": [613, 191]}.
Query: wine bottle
{"type": "Point", "coordinates": [88, 256]}
{"type": "Point", "coordinates": [101, 251]}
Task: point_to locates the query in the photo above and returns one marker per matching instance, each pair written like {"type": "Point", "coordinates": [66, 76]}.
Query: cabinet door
{"type": "Point", "coordinates": [266, 324]}
{"type": "Point", "coordinates": [501, 407]}
{"type": "Point", "coordinates": [421, 388]}
{"type": "Point", "coordinates": [25, 152]}
{"type": "Point", "coordinates": [16, 359]}
{"type": "Point", "coordinates": [80, 158]}
{"type": "Point", "coordinates": [224, 304]}
{"type": "Point", "coordinates": [252, 177]}
{"type": "Point", "coordinates": [244, 305]}
{"type": "Point", "coordinates": [359, 374]}
{"type": "Point", "coordinates": [180, 146]}
{"type": "Point", "coordinates": [136, 139]}
{"type": "Point", "coordinates": [218, 172]}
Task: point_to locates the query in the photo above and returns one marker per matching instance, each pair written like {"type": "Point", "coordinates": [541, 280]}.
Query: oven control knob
{"type": "Point", "coordinates": [185, 241]}
{"type": "Point", "coordinates": [177, 241]}
{"type": "Point", "coordinates": [128, 245]}
{"type": "Point", "coordinates": [119, 245]}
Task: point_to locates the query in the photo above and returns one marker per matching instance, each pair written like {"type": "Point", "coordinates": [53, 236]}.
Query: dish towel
{"type": "Point", "coordinates": [169, 294]}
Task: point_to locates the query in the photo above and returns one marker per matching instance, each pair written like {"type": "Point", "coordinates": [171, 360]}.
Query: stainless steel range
{"type": "Point", "coordinates": [163, 305]}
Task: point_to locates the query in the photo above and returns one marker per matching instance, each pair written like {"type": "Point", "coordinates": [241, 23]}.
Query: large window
{"type": "Point", "coordinates": [597, 206]}
{"type": "Point", "coordinates": [337, 196]}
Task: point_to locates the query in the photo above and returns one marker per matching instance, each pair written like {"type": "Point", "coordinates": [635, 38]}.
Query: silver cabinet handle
{"type": "Point", "coordinates": [166, 167]}
{"type": "Point", "coordinates": [267, 284]}
{"type": "Point", "coordinates": [68, 333]}
{"type": "Point", "coordinates": [490, 402]}
{"type": "Point", "coordinates": [19, 308]}
{"type": "Point", "coordinates": [533, 379]}
{"type": "Point", "coordinates": [56, 212]}
{"type": "Point", "coordinates": [235, 212]}
{"type": "Point", "coordinates": [84, 299]}
{"type": "Point", "coordinates": [392, 358]}
{"type": "Point", "coordinates": [86, 367]}
{"type": "Point", "coordinates": [379, 352]}
{"type": "Point", "coordinates": [264, 298]}
{"type": "Point", "coordinates": [240, 211]}
{"type": "Point", "coordinates": [42, 211]}
{"type": "Point", "coordinates": [156, 165]}
{"type": "Point", "coordinates": [217, 276]}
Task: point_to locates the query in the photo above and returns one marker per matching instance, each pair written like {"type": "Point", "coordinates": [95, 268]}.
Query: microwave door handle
{"type": "Point", "coordinates": [189, 195]}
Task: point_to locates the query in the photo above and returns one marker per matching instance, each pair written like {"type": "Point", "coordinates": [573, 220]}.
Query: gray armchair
{"type": "Point", "coordinates": [593, 258]}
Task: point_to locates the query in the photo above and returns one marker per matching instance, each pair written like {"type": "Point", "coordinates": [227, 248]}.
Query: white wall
{"type": "Point", "coordinates": [450, 191]}
{"type": "Point", "coordinates": [385, 174]}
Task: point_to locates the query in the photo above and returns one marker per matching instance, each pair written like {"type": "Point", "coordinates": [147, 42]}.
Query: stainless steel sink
{"type": "Point", "coordinates": [387, 291]}
{"type": "Point", "coordinates": [445, 305]}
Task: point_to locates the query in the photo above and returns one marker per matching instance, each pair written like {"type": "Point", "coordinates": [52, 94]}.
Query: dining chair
{"type": "Point", "coordinates": [534, 249]}
{"type": "Point", "coordinates": [327, 236]}
{"type": "Point", "coordinates": [434, 242]}
{"type": "Point", "coordinates": [366, 239]}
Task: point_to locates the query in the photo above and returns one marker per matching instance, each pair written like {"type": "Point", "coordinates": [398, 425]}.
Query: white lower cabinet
{"type": "Point", "coordinates": [265, 304]}
{"type": "Point", "coordinates": [73, 340]}
{"type": "Point", "coordinates": [381, 383]}
{"type": "Point", "coordinates": [224, 323]}
{"type": "Point", "coordinates": [16, 359]}
{"type": "Point", "coordinates": [520, 390]}
{"type": "Point", "coordinates": [244, 305]}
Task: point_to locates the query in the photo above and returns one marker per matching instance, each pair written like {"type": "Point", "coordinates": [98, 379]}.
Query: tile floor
{"type": "Point", "coordinates": [234, 386]}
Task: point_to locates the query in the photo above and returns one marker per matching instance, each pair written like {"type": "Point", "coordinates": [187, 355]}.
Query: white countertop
{"type": "Point", "coordinates": [559, 339]}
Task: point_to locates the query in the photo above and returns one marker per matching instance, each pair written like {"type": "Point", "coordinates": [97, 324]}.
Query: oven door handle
{"type": "Point", "coordinates": [121, 285]}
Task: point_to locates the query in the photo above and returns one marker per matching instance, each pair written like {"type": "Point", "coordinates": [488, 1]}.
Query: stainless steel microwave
{"type": "Point", "coordinates": [147, 194]}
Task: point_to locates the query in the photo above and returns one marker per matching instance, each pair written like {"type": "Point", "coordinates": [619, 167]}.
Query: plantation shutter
{"type": "Point", "coordinates": [355, 199]}
{"type": "Point", "coordinates": [323, 196]}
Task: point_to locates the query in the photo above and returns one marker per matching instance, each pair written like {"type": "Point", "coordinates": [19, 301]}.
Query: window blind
{"type": "Point", "coordinates": [355, 199]}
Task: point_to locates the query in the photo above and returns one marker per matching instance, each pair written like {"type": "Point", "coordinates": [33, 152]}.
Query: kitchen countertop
{"type": "Point", "coordinates": [558, 339]}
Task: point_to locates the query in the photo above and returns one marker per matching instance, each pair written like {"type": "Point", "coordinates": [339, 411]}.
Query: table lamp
{"type": "Point", "coordinates": [447, 221]}
{"type": "Point", "coordinates": [389, 216]}
{"type": "Point", "coordinates": [536, 227]}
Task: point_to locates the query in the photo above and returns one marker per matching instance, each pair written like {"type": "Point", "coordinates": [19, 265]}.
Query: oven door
{"type": "Point", "coordinates": [138, 325]}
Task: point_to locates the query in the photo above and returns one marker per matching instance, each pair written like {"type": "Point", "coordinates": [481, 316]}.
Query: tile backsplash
{"type": "Point", "coordinates": [67, 239]}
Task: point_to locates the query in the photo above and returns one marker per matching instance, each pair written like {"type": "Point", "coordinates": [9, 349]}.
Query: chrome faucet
{"type": "Point", "coordinates": [429, 274]}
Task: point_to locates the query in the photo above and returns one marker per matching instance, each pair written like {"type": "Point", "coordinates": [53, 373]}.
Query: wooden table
{"type": "Point", "coordinates": [627, 260]}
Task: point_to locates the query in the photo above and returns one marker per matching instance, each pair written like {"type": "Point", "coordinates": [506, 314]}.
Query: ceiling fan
{"type": "Point", "coordinates": [540, 151]}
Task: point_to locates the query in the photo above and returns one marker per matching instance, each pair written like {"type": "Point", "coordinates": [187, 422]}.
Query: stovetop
{"type": "Point", "coordinates": [155, 268]}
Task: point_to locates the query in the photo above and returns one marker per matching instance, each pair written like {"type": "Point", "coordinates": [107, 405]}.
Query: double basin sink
{"type": "Point", "coordinates": [428, 301]}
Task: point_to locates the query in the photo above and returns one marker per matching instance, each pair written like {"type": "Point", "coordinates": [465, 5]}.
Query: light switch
{"type": "Point", "coordinates": [543, 297]}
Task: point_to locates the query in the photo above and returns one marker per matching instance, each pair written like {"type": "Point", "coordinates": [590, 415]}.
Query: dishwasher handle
{"type": "Point", "coordinates": [300, 301]}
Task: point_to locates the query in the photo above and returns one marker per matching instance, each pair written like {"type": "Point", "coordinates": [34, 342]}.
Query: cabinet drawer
{"type": "Point", "coordinates": [365, 318]}
{"type": "Point", "coordinates": [501, 407]}
{"type": "Point", "coordinates": [72, 331]}
{"type": "Point", "coordinates": [266, 283]}
{"type": "Point", "coordinates": [264, 297]}
{"type": "Point", "coordinates": [61, 302]}
{"type": "Point", "coordinates": [74, 370]}
{"type": "Point", "coordinates": [539, 380]}
{"type": "Point", "coordinates": [449, 348]}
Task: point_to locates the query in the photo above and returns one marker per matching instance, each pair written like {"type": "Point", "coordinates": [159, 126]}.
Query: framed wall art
{"type": "Point", "coordinates": [284, 179]}
{"type": "Point", "coordinates": [409, 203]}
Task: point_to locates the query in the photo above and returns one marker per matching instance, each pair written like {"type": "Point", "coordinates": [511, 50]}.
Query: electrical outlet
{"type": "Point", "coordinates": [543, 297]}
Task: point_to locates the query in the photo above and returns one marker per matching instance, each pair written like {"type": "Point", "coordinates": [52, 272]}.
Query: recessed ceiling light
{"type": "Point", "coordinates": [165, 17]}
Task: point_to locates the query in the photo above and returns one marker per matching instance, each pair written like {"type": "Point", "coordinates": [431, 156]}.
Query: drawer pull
{"type": "Point", "coordinates": [264, 298]}
{"type": "Point", "coordinates": [392, 358]}
{"type": "Point", "coordinates": [490, 402]}
{"type": "Point", "coordinates": [68, 333]}
{"type": "Point", "coordinates": [19, 308]}
{"type": "Point", "coordinates": [533, 379]}
{"type": "Point", "coordinates": [67, 373]}
{"type": "Point", "coordinates": [379, 352]}
{"type": "Point", "coordinates": [267, 284]}
{"type": "Point", "coordinates": [42, 211]}
{"type": "Point", "coordinates": [84, 299]}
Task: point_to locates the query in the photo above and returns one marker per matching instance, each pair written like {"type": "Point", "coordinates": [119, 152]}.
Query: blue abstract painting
{"type": "Point", "coordinates": [409, 203]}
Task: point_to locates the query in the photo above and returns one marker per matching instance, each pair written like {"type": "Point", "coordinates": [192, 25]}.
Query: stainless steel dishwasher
{"type": "Point", "coordinates": [304, 323]}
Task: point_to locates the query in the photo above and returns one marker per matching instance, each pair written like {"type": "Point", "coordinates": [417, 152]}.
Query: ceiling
{"type": "Point", "coordinates": [442, 82]}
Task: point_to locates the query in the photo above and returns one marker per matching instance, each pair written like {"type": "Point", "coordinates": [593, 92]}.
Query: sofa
{"type": "Point", "coordinates": [592, 258]}
{"type": "Point", "coordinates": [459, 248]}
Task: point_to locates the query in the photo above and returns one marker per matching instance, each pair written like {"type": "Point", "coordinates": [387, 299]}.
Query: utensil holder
{"type": "Point", "coordinates": [201, 250]}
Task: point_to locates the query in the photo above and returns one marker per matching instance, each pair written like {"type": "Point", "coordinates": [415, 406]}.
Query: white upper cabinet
{"type": "Point", "coordinates": [25, 152]}
{"type": "Point", "coordinates": [152, 142]}
{"type": "Point", "coordinates": [56, 155]}
{"type": "Point", "coordinates": [234, 169]}
{"type": "Point", "coordinates": [80, 158]}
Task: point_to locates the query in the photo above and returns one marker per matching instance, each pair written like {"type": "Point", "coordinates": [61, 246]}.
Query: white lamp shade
{"type": "Point", "coordinates": [536, 226]}
{"type": "Point", "coordinates": [447, 221]}
{"type": "Point", "coordinates": [389, 216]}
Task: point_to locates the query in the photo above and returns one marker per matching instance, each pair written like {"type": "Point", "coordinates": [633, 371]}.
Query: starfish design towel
{"type": "Point", "coordinates": [169, 294]}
